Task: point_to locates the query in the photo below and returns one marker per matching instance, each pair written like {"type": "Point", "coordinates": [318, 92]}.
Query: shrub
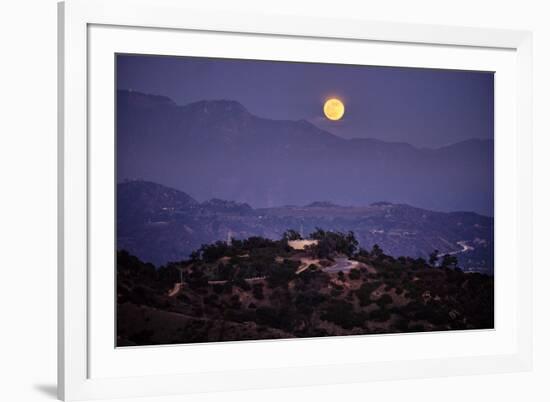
{"type": "Point", "coordinates": [380, 315]}
{"type": "Point", "coordinates": [235, 302]}
{"type": "Point", "coordinates": [308, 300]}
{"type": "Point", "coordinates": [243, 284]}
{"type": "Point", "coordinates": [354, 274]}
{"type": "Point", "coordinates": [401, 324]}
{"type": "Point", "coordinates": [227, 288]}
{"type": "Point", "coordinates": [342, 313]}
{"type": "Point", "coordinates": [384, 300]}
{"type": "Point", "coordinates": [258, 291]}
{"type": "Point", "coordinates": [217, 288]}
{"type": "Point", "coordinates": [268, 316]}
{"type": "Point", "coordinates": [364, 292]}
{"type": "Point", "coordinates": [416, 328]}
{"type": "Point", "coordinates": [210, 299]}
{"type": "Point", "coordinates": [336, 292]}
{"type": "Point", "coordinates": [184, 298]}
{"type": "Point", "coordinates": [281, 275]}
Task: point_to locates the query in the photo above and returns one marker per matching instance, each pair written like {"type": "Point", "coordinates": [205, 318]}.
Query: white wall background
{"type": "Point", "coordinates": [28, 198]}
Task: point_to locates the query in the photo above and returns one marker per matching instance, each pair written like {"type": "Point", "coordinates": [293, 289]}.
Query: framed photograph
{"type": "Point", "coordinates": [252, 201]}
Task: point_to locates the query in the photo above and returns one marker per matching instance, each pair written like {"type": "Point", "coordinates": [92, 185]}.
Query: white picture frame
{"type": "Point", "coordinates": [77, 379]}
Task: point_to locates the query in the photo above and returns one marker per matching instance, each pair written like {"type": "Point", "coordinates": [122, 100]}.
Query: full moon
{"type": "Point", "coordinates": [334, 109]}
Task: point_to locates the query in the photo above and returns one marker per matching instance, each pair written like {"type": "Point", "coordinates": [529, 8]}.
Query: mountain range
{"type": "Point", "coordinates": [217, 149]}
{"type": "Point", "coordinates": [159, 224]}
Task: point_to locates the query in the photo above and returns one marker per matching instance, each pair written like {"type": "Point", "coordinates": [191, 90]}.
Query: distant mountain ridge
{"type": "Point", "coordinates": [160, 224]}
{"type": "Point", "coordinates": [217, 149]}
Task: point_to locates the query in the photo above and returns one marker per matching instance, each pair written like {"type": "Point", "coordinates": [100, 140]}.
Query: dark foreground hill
{"type": "Point", "coordinates": [263, 289]}
{"type": "Point", "coordinates": [160, 224]}
{"type": "Point", "coordinates": [219, 149]}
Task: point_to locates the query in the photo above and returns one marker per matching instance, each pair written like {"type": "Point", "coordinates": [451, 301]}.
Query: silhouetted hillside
{"type": "Point", "coordinates": [258, 288]}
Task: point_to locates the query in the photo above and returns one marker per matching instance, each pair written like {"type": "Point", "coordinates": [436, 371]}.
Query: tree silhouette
{"type": "Point", "coordinates": [291, 234]}
{"type": "Point", "coordinates": [434, 257]}
{"type": "Point", "coordinates": [449, 261]}
{"type": "Point", "coordinates": [376, 251]}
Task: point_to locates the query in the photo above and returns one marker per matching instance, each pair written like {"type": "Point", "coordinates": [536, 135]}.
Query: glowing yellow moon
{"type": "Point", "coordinates": [334, 109]}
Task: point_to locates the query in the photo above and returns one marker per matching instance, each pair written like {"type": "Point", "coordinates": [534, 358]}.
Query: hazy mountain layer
{"type": "Point", "coordinates": [161, 224]}
{"type": "Point", "coordinates": [217, 149]}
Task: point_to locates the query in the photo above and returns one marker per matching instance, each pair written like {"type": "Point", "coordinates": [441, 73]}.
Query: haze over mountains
{"type": "Point", "coordinates": [160, 224]}
{"type": "Point", "coordinates": [217, 149]}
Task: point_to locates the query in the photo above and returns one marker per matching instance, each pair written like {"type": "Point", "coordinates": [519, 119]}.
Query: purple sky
{"type": "Point", "coordinates": [423, 107]}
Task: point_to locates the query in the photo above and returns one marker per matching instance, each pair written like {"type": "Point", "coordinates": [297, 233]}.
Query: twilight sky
{"type": "Point", "coordinates": [423, 107]}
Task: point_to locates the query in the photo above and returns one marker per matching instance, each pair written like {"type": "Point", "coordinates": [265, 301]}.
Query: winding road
{"type": "Point", "coordinates": [463, 244]}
